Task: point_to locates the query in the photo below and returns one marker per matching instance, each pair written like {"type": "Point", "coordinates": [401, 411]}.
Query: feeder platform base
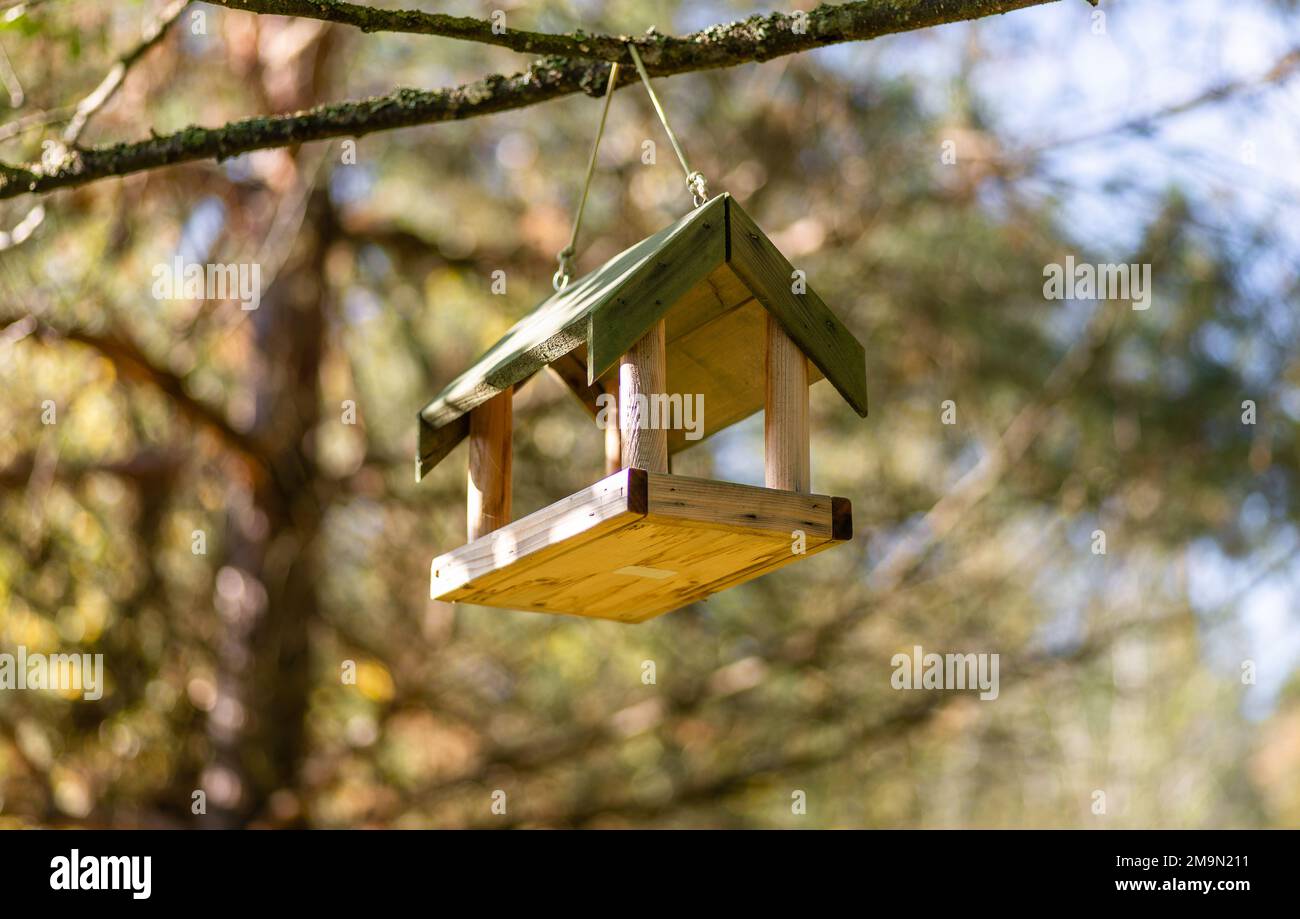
{"type": "Point", "coordinates": [639, 544]}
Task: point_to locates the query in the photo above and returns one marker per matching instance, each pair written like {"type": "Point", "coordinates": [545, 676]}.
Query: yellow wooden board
{"type": "Point", "coordinates": [716, 336]}
{"type": "Point", "coordinates": [636, 545]}
{"type": "Point", "coordinates": [722, 359]}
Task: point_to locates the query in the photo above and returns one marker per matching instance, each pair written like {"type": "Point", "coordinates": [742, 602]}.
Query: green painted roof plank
{"type": "Point", "coordinates": [613, 306]}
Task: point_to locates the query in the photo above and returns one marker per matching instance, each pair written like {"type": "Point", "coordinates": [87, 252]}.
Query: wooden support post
{"type": "Point", "coordinates": [487, 500]}
{"type": "Point", "coordinates": [785, 413]}
{"type": "Point", "coordinates": [642, 372]}
{"type": "Point", "coordinates": [613, 444]}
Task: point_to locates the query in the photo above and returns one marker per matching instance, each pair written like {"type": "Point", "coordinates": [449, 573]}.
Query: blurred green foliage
{"type": "Point", "coordinates": [225, 669]}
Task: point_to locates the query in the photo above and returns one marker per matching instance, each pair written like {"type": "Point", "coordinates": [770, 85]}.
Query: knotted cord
{"type": "Point", "coordinates": [694, 180]}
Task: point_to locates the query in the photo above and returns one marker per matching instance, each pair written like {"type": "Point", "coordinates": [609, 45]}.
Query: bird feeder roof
{"type": "Point", "coordinates": [713, 277]}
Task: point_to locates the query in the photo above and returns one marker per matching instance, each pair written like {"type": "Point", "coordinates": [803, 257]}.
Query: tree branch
{"type": "Point", "coordinates": [827, 24]}
{"type": "Point", "coordinates": [113, 80]}
{"type": "Point", "coordinates": [759, 38]}
{"type": "Point", "coordinates": [83, 111]}
{"type": "Point", "coordinates": [1285, 67]}
{"type": "Point", "coordinates": [132, 364]}
{"type": "Point", "coordinates": [417, 22]}
{"type": "Point", "coordinates": [1000, 457]}
{"type": "Point", "coordinates": [897, 723]}
{"type": "Point", "coordinates": [146, 467]}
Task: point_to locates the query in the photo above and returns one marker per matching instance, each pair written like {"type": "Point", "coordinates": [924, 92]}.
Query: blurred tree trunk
{"type": "Point", "coordinates": [292, 345]}
{"type": "Point", "coordinates": [267, 595]}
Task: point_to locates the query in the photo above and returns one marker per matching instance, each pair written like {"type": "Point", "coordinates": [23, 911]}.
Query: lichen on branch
{"type": "Point", "coordinates": [574, 63]}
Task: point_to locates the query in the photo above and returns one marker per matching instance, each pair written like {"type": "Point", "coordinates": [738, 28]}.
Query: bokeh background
{"type": "Point", "coordinates": [1163, 673]}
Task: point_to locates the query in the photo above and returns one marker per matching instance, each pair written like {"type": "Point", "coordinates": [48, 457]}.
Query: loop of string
{"type": "Point", "coordinates": [560, 279]}
{"type": "Point", "coordinates": [695, 182]}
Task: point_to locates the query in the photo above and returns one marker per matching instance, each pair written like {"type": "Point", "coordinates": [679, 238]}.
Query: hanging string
{"type": "Point", "coordinates": [561, 278]}
{"type": "Point", "coordinates": [694, 180]}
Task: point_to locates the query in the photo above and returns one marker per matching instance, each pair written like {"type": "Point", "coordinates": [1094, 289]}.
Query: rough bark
{"type": "Point", "coordinates": [758, 38]}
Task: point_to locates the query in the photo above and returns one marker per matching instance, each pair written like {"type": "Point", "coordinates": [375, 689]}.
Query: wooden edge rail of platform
{"type": "Point", "coordinates": [700, 536]}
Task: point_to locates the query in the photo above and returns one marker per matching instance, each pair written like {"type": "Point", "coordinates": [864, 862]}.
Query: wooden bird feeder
{"type": "Point", "coordinates": [705, 306]}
